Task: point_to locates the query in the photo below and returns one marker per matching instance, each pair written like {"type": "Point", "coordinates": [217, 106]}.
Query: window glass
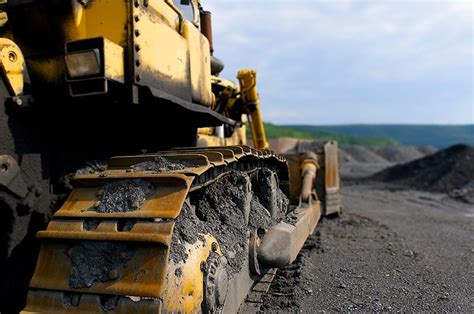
{"type": "Point", "coordinates": [187, 9]}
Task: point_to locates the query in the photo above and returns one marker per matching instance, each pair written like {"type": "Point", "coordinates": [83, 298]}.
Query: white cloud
{"type": "Point", "coordinates": [300, 47]}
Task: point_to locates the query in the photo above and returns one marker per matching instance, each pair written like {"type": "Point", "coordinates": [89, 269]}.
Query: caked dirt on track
{"type": "Point", "coordinates": [391, 250]}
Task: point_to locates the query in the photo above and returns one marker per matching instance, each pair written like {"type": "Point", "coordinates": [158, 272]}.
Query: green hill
{"type": "Point", "coordinates": [440, 136]}
{"type": "Point", "coordinates": [273, 131]}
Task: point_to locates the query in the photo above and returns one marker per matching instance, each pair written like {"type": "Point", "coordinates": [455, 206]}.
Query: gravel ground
{"type": "Point", "coordinates": [392, 250]}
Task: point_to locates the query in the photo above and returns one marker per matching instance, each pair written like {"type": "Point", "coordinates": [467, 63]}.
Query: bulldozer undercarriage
{"type": "Point", "coordinates": [186, 230]}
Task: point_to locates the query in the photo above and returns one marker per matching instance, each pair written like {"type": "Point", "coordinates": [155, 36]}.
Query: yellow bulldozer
{"type": "Point", "coordinates": [126, 181]}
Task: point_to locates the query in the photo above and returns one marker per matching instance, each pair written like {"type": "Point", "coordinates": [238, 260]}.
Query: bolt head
{"type": "Point", "coordinates": [113, 274]}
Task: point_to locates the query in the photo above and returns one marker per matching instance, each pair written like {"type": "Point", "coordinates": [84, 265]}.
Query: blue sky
{"type": "Point", "coordinates": [337, 62]}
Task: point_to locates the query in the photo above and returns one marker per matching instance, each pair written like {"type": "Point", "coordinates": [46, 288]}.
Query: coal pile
{"type": "Point", "coordinates": [363, 154]}
{"type": "Point", "coordinates": [399, 154]}
{"type": "Point", "coordinates": [357, 161]}
{"type": "Point", "coordinates": [448, 170]}
{"type": "Point", "coordinates": [464, 193]}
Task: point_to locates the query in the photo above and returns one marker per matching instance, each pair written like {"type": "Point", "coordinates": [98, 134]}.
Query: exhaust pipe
{"type": "Point", "coordinates": [206, 27]}
{"type": "Point", "coordinates": [217, 66]}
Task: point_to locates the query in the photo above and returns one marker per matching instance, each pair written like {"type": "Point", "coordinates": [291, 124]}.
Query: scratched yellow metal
{"type": "Point", "coordinates": [165, 203]}
{"type": "Point", "coordinates": [184, 293]}
{"type": "Point", "coordinates": [12, 64]}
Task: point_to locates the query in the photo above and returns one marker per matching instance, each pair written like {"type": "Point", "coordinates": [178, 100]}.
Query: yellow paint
{"type": "Point", "coordinates": [163, 51]}
{"type": "Point", "coordinates": [200, 66]}
{"type": "Point", "coordinates": [99, 19]}
{"type": "Point", "coordinates": [184, 294]}
{"type": "Point", "coordinates": [250, 100]}
{"type": "Point", "coordinates": [114, 61]}
{"type": "Point", "coordinates": [12, 64]}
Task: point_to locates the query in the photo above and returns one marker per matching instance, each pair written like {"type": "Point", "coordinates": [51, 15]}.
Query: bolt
{"type": "Point", "coordinates": [145, 3]}
{"type": "Point", "coordinates": [138, 78]}
{"type": "Point", "coordinates": [138, 63]}
{"type": "Point", "coordinates": [136, 205]}
{"type": "Point", "coordinates": [18, 101]}
{"type": "Point", "coordinates": [137, 32]}
{"type": "Point", "coordinates": [138, 48]}
{"type": "Point", "coordinates": [137, 18]}
{"type": "Point", "coordinates": [113, 274]}
{"type": "Point", "coordinates": [12, 56]}
{"type": "Point", "coordinates": [137, 3]}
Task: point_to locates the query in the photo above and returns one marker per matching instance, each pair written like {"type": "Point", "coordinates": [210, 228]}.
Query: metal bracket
{"type": "Point", "coordinates": [10, 176]}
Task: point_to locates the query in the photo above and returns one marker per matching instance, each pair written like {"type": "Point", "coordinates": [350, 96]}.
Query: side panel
{"type": "Point", "coordinates": [200, 67]}
{"type": "Point", "coordinates": [161, 53]}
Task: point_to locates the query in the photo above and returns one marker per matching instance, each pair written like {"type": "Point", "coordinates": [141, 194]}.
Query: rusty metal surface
{"type": "Point", "coordinates": [214, 157]}
{"type": "Point", "coordinates": [200, 161]}
{"type": "Point", "coordinates": [332, 166]}
{"type": "Point", "coordinates": [144, 275]}
{"type": "Point", "coordinates": [294, 168]}
{"type": "Point", "coordinates": [41, 301]}
{"type": "Point", "coordinates": [165, 203]}
{"type": "Point", "coordinates": [149, 232]}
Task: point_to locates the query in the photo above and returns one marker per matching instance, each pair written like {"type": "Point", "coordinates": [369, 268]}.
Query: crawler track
{"type": "Point", "coordinates": [127, 244]}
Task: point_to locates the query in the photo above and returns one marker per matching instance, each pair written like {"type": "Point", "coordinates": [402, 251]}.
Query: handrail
{"type": "Point", "coordinates": [179, 13]}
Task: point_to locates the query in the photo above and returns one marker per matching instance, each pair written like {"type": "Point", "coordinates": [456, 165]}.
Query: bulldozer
{"type": "Point", "coordinates": [126, 180]}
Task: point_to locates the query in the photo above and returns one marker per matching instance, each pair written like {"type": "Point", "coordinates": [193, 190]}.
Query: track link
{"type": "Point", "coordinates": [132, 277]}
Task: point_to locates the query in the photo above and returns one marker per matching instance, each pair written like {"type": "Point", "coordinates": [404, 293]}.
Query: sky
{"type": "Point", "coordinates": [354, 61]}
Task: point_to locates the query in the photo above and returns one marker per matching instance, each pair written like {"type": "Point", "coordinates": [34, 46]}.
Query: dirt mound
{"type": "Point", "coordinates": [363, 154]}
{"type": "Point", "coordinates": [283, 144]}
{"type": "Point", "coordinates": [398, 154]}
{"type": "Point", "coordinates": [427, 150]}
{"type": "Point", "coordinates": [310, 146]}
{"type": "Point", "coordinates": [464, 193]}
{"type": "Point", "coordinates": [344, 157]}
{"type": "Point", "coordinates": [444, 171]}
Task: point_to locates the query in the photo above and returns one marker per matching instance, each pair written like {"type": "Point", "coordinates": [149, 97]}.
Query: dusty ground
{"type": "Point", "coordinates": [392, 250]}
